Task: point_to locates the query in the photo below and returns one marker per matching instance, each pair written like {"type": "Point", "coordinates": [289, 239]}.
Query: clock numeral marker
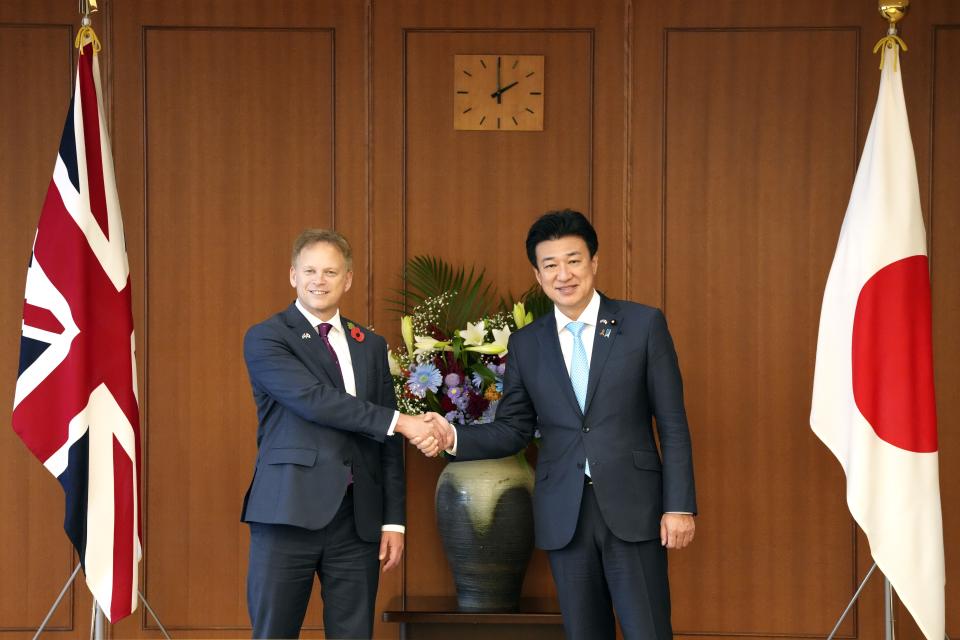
{"type": "Point", "coordinates": [536, 93]}
{"type": "Point", "coordinates": [468, 73]}
{"type": "Point", "coordinates": [498, 123]}
{"type": "Point", "coordinates": [515, 63]}
{"type": "Point", "coordinates": [482, 63]}
{"type": "Point", "coordinates": [529, 74]}
{"type": "Point", "coordinates": [482, 119]}
{"type": "Point", "coordinates": [529, 109]}
{"type": "Point", "coordinates": [514, 118]}
{"type": "Point", "coordinates": [463, 92]}
{"type": "Point", "coordinates": [468, 110]}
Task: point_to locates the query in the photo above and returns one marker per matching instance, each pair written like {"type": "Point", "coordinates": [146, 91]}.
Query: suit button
{"type": "Point", "coordinates": [586, 429]}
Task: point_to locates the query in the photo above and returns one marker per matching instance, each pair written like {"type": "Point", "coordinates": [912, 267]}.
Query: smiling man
{"type": "Point", "coordinates": [327, 496]}
{"type": "Point", "coordinates": [591, 377]}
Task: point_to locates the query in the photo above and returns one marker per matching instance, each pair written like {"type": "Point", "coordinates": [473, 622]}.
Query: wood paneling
{"type": "Point", "coordinates": [469, 196]}
{"type": "Point", "coordinates": [945, 266]}
{"type": "Point", "coordinates": [36, 64]}
{"type": "Point", "coordinates": [759, 162]}
{"type": "Point", "coordinates": [251, 129]}
{"type": "Point", "coordinates": [230, 182]}
{"type": "Point", "coordinates": [712, 142]}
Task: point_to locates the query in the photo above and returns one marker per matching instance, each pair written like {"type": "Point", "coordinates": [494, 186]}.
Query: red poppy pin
{"type": "Point", "coordinates": [355, 332]}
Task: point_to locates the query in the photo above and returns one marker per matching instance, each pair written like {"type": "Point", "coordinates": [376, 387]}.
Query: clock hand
{"type": "Point", "coordinates": [496, 94]}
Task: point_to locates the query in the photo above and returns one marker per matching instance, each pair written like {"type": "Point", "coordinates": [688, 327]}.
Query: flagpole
{"type": "Point", "coordinates": [887, 609]}
{"type": "Point", "coordinates": [99, 624]}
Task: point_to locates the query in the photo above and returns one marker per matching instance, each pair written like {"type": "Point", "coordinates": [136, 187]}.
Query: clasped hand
{"type": "Point", "coordinates": [430, 433]}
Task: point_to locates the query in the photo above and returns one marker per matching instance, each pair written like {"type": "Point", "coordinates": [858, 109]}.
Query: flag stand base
{"type": "Point", "coordinates": [98, 621]}
{"type": "Point", "coordinates": [888, 632]}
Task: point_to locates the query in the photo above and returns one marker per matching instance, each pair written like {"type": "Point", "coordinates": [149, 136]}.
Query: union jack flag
{"type": "Point", "coordinates": [76, 397]}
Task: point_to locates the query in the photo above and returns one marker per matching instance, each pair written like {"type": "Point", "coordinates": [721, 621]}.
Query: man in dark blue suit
{"type": "Point", "coordinates": [327, 496]}
{"type": "Point", "coordinates": [591, 377]}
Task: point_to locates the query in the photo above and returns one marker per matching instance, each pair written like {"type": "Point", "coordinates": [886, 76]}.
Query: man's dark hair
{"type": "Point", "coordinates": [554, 225]}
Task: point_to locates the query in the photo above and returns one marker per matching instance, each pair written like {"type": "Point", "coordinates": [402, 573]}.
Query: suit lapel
{"type": "Point", "coordinates": [606, 332]}
{"type": "Point", "coordinates": [553, 357]}
{"type": "Point", "coordinates": [313, 346]}
{"type": "Point", "coordinates": [358, 355]}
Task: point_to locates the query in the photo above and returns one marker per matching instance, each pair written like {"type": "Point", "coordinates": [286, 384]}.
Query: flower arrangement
{"type": "Point", "coordinates": [455, 335]}
{"type": "Point", "coordinates": [458, 374]}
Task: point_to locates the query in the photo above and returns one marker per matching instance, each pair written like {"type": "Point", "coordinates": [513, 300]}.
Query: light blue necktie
{"type": "Point", "coordinates": [579, 369]}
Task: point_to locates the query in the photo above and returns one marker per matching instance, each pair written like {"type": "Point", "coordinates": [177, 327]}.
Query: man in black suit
{"type": "Point", "coordinates": [327, 496]}
{"type": "Point", "coordinates": [591, 376]}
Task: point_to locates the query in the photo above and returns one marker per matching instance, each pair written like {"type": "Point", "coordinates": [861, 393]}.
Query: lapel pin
{"type": "Point", "coordinates": [305, 336]}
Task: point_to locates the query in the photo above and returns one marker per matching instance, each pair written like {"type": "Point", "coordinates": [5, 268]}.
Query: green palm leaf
{"type": "Point", "coordinates": [429, 276]}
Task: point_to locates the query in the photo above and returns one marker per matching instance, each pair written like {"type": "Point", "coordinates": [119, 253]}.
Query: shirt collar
{"type": "Point", "coordinates": [314, 320]}
{"type": "Point", "coordinates": [588, 317]}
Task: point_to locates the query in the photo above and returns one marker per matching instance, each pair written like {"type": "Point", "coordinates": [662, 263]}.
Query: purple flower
{"type": "Point", "coordinates": [424, 377]}
{"type": "Point", "coordinates": [462, 399]}
{"type": "Point", "coordinates": [454, 392]}
{"type": "Point", "coordinates": [497, 369]}
{"type": "Point", "coordinates": [451, 380]}
{"type": "Point", "coordinates": [452, 417]}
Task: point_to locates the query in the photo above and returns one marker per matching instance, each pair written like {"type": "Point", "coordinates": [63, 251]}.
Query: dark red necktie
{"type": "Point", "coordinates": [324, 330]}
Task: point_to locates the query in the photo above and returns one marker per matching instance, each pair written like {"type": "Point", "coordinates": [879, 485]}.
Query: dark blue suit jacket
{"type": "Point", "coordinates": [634, 377]}
{"type": "Point", "coordinates": [313, 435]}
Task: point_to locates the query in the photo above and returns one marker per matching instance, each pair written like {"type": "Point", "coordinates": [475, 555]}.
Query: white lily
{"type": "Point", "coordinates": [426, 344]}
{"type": "Point", "coordinates": [501, 336]}
{"type": "Point", "coordinates": [406, 330]}
{"type": "Point", "coordinates": [474, 334]}
{"type": "Point", "coordinates": [520, 315]}
{"type": "Point", "coordinates": [394, 365]}
{"type": "Point", "coordinates": [490, 349]}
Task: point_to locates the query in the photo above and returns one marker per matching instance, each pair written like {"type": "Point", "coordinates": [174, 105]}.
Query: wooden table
{"type": "Point", "coordinates": [427, 618]}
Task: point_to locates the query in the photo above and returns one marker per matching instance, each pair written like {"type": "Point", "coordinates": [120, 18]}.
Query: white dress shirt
{"type": "Point", "coordinates": [589, 319]}
{"type": "Point", "coordinates": [338, 340]}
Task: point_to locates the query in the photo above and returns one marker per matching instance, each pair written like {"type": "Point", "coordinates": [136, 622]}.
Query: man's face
{"type": "Point", "coordinates": [320, 277]}
{"type": "Point", "coordinates": [565, 271]}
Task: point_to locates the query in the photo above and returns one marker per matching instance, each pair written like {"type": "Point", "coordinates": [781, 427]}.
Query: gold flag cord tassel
{"type": "Point", "coordinates": [87, 36]}
{"type": "Point", "coordinates": [890, 40]}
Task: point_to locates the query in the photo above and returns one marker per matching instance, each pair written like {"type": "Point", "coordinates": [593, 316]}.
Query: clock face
{"type": "Point", "coordinates": [498, 92]}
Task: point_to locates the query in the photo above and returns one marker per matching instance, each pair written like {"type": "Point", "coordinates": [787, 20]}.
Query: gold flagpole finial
{"type": "Point", "coordinates": [893, 12]}
{"type": "Point", "coordinates": [86, 34]}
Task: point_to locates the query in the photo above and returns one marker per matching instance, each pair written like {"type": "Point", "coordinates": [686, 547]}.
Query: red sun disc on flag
{"type": "Point", "coordinates": [892, 356]}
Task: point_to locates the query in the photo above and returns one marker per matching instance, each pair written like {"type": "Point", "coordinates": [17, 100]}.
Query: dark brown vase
{"type": "Point", "coordinates": [485, 518]}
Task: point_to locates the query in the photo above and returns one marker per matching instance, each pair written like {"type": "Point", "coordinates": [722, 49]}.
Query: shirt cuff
{"type": "Point", "coordinates": [453, 450]}
{"type": "Point", "coordinates": [393, 425]}
{"type": "Point", "coordinates": [680, 513]}
{"type": "Point", "coordinates": [398, 528]}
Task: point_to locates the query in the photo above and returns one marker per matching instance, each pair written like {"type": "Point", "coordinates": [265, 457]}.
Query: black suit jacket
{"type": "Point", "coordinates": [634, 377]}
{"type": "Point", "coordinates": [313, 435]}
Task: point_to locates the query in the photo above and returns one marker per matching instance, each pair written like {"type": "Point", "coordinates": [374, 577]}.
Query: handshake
{"type": "Point", "coordinates": [430, 433]}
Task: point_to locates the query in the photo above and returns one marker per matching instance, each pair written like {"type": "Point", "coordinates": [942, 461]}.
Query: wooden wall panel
{"type": "Point", "coordinates": [470, 196]}
{"type": "Point", "coordinates": [945, 265]}
{"type": "Point", "coordinates": [759, 159]}
{"type": "Point", "coordinates": [37, 67]}
{"type": "Point", "coordinates": [251, 129]}
{"type": "Point", "coordinates": [712, 142]}
{"type": "Point", "coordinates": [224, 199]}
{"type": "Point", "coordinates": [494, 183]}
